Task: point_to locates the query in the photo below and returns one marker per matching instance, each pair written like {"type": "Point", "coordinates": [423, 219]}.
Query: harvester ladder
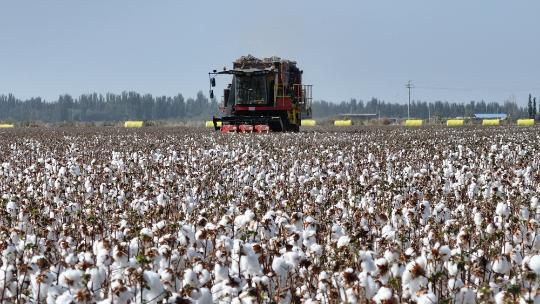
{"type": "Point", "coordinates": [306, 99]}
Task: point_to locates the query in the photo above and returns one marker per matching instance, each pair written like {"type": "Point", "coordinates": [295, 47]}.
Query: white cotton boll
{"type": "Point", "coordinates": [455, 283]}
{"type": "Point", "coordinates": [525, 263]}
{"type": "Point", "coordinates": [103, 258]}
{"type": "Point", "coordinates": [490, 229]}
{"type": "Point", "coordinates": [237, 246]}
{"type": "Point", "coordinates": [161, 199]}
{"type": "Point", "coordinates": [123, 293]}
{"type": "Point", "coordinates": [426, 207]}
{"type": "Point", "coordinates": [40, 288]}
{"type": "Point", "coordinates": [502, 209]}
{"type": "Point", "coordinates": [12, 207]}
{"type": "Point", "coordinates": [517, 237]}
{"type": "Point", "coordinates": [86, 257]}
{"type": "Point", "coordinates": [369, 284]}
{"type": "Point", "coordinates": [145, 232]}
{"type": "Point", "coordinates": [391, 256]}
{"type": "Point", "coordinates": [524, 213]}
{"type": "Point", "coordinates": [351, 296]}
{"type": "Point", "coordinates": [445, 252]}
{"type": "Point", "coordinates": [427, 298]}
{"type": "Point", "coordinates": [53, 293]}
{"type": "Point", "coordinates": [380, 262]}
{"type": "Point", "coordinates": [65, 298]}
{"type": "Point", "coordinates": [413, 277]}
{"type": "Point", "coordinates": [529, 298]}
{"type": "Point", "coordinates": [466, 296]}
{"type": "Point", "coordinates": [397, 270]}
{"type": "Point", "coordinates": [337, 231]}
{"type": "Point", "coordinates": [155, 291]}
{"type": "Point", "coordinates": [409, 251]}
{"type": "Point", "coordinates": [343, 241]}
{"type": "Point", "coordinates": [221, 273]}
{"type": "Point", "coordinates": [502, 297]}
{"type": "Point", "coordinates": [507, 248]}
{"type": "Point", "coordinates": [478, 218]}
{"type": "Point", "coordinates": [367, 263]}
{"type": "Point", "coordinates": [159, 225]}
{"type": "Point", "coordinates": [501, 265]}
{"type": "Point", "coordinates": [97, 277]}
{"type": "Point", "coordinates": [316, 249]}
{"type": "Point", "coordinates": [516, 256]}
{"type": "Point", "coordinates": [70, 277]}
{"type": "Point", "coordinates": [534, 202]}
{"type": "Point", "coordinates": [220, 292]}
{"type": "Point", "coordinates": [71, 259]}
{"type": "Point", "coordinates": [166, 275]}
{"type": "Point", "coordinates": [388, 232]}
{"type": "Point", "coordinates": [190, 278]}
{"type": "Point", "coordinates": [174, 298]}
{"type": "Point", "coordinates": [384, 295]}
{"type": "Point", "coordinates": [244, 219]}
{"type": "Point", "coordinates": [452, 268]}
{"type": "Point", "coordinates": [280, 266]}
{"type": "Point", "coordinates": [205, 296]}
{"type": "Point", "coordinates": [250, 262]}
{"type": "Point", "coordinates": [265, 280]}
{"type": "Point", "coordinates": [536, 242]}
{"type": "Point", "coordinates": [534, 264]}
{"type": "Point", "coordinates": [308, 236]}
{"type": "Point", "coordinates": [186, 235]}
{"type": "Point", "coordinates": [62, 171]}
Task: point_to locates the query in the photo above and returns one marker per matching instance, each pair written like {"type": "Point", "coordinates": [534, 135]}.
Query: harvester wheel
{"type": "Point", "coordinates": [262, 128]}
{"type": "Point", "coordinates": [245, 128]}
{"type": "Point", "coordinates": [228, 129]}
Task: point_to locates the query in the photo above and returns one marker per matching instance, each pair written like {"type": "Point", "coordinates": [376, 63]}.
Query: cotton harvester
{"type": "Point", "coordinates": [264, 95]}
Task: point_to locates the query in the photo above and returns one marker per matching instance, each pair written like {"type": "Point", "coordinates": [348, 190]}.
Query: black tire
{"type": "Point", "coordinates": [291, 127]}
{"type": "Point", "coordinates": [294, 128]}
{"type": "Point", "coordinates": [276, 127]}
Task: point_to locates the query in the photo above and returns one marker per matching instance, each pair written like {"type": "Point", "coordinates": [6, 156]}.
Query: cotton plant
{"type": "Point", "coordinates": [165, 216]}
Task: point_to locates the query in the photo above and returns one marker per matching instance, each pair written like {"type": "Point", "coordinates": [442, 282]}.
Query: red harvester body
{"type": "Point", "coordinates": [265, 94]}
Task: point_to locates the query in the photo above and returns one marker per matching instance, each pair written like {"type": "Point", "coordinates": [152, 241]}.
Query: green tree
{"type": "Point", "coordinates": [534, 108]}
{"type": "Point", "coordinates": [529, 107]}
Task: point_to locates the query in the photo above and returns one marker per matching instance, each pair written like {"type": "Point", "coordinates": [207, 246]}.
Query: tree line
{"type": "Point", "coordinates": [531, 107]}
{"type": "Point", "coordinates": [108, 107]}
{"type": "Point", "coordinates": [418, 109]}
{"type": "Point", "coordinates": [135, 106]}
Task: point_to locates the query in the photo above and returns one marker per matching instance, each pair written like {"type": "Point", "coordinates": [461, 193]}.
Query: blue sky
{"type": "Point", "coordinates": [452, 50]}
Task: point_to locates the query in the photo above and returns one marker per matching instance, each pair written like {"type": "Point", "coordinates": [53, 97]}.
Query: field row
{"type": "Point", "coordinates": [183, 215]}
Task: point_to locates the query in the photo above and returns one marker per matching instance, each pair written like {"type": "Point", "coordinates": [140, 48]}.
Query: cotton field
{"type": "Point", "coordinates": [371, 215]}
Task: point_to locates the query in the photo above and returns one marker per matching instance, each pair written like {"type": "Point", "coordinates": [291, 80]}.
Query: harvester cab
{"type": "Point", "coordinates": [264, 95]}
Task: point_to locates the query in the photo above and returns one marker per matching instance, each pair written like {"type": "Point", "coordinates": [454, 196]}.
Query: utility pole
{"type": "Point", "coordinates": [409, 86]}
